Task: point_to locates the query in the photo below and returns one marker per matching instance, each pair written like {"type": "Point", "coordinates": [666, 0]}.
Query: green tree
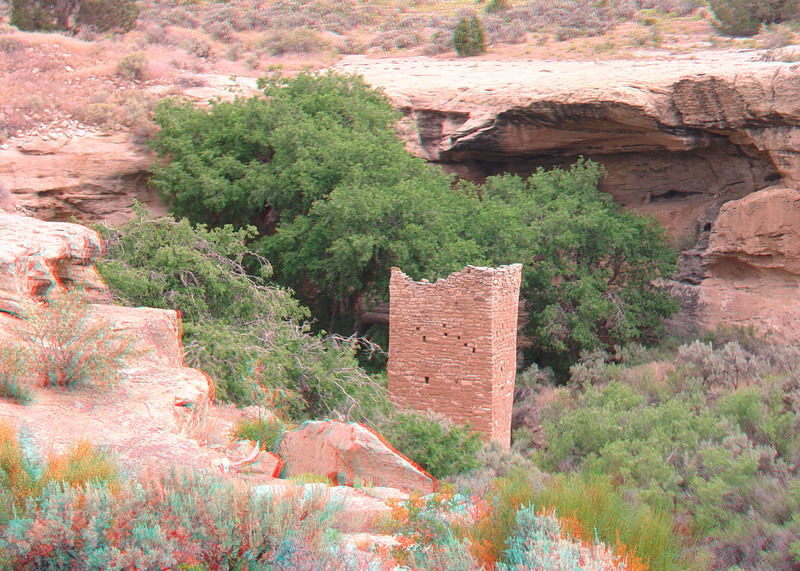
{"type": "Point", "coordinates": [745, 17]}
{"type": "Point", "coordinates": [589, 264]}
{"type": "Point", "coordinates": [50, 15]}
{"type": "Point", "coordinates": [337, 201]}
{"type": "Point", "coordinates": [317, 168]}
{"type": "Point", "coordinates": [469, 38]}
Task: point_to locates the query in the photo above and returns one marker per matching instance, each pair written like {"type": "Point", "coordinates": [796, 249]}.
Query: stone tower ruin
{"type": "Point", "coordinates": [452, 346]}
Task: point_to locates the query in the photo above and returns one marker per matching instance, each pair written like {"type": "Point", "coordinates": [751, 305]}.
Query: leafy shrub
{"type": "Point", "coordinates": [424, 526]}
{"type": "Point", "coordinates": [38, 15]}
{"type": "Point", "coordinates": [107, 15]}
{"type": "Point", "coordinates": [744, 18]}
{"type": "Point", "coordinates": [592, 510]}
{"type": "Point", "coordinates": [440, 447]}
{"type": "Point", "coordinates": [469, 38]}
{"type": "Point", "coordinates": [22, 480]}
{"type": "Point", "coordinates": [716, 458]}
{"type": "Point", "coordinates": [497, 516]}
{"type": "Point", "coordinates": [83, 463]}
{"type": "Point", "coordinates": [18, 479]}
{"type": "Point", "coordinates": [14, 367]}
{"type": "Point", "coordinates": [72, 346]}
{"type": "Point", "coordinates": [50, 15]}
{"type": "Point", "coordinates": [237, 327]}
{"type": "Point", "coordinates": [132, 66]}
{"type": "Point", "coordinates": [730, 365]}
{"type": "Point", "coordinates": [175, 521]}
{"type": "Point", "coordinates": [300, 41]}
{"type": "Point", "coordinates": [539, 542]}
{"type": "Point", "coordinates": [199, 47]}
{"type": "Point", "coordinates": [266, 432]}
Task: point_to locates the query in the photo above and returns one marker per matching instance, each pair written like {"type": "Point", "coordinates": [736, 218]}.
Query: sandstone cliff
{"type": "Point", "coordinates": [710, 146]}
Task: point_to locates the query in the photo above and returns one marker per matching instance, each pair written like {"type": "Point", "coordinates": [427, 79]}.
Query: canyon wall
{"type": "Point", "coordinates": [709, 144]}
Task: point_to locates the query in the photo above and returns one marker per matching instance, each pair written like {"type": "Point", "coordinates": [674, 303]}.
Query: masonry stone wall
{"type": "Point", "coordinates": [452, 346]}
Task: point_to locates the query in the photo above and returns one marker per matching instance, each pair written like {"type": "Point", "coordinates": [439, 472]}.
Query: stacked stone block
{"type": "Point", "coordinates": [452, 346]}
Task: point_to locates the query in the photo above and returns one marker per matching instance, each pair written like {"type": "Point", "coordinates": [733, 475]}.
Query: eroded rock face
{"type": "Point", "coordinates": [41, 259]}
{"type": "Point", "coordinates": [92, 177]}
{"type": "Point", "coordinates": [753, 263]}
{"type": "Point", "coordinates": [681, 139]}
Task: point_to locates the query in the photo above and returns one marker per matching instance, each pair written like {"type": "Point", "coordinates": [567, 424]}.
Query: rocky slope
{"type": "Point", "coordinates": [159, 411]}
{"type": "Point", "coordinates": [709, 145]}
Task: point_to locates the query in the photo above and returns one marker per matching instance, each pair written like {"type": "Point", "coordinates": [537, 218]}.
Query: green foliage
{"type": "Point", "coordinates": [744, 18]}
{"type": "Point", "coordinates": [18, 479]}
{"type": "Point", "coordinates": [22, 481]}
{"type": "Point", "coordinates": [107, 15]}
{"type": "Point", "coordinates": [337, 201]}
{"type": "Point", "coordinates": [440, 447]}
{"type": "Point", "coordinates": [267, 433]}
{"type": "Point", "coordinates": [36, 15]}
{"type": "Point", "coordinates": [501, 504]}
{"type": "Point", "coordinates": [729, 365]}
{"type": "Point", "coordinates": [318, 169]}
{"type": "Point", "coordinates": [713, 449]}
{"type": "Point", "coordinates": [174, 521]}
{"type": "Point", "coordinates": [83, 463]}
{"type": "Point", "coordinates": [14, 367]}
{"type": "Point", "coordinates": [74, 345]}
{"type": "Point", "coordinates": [51, 15]}
{"type": "Point", "coordinates": [429, 532]}
{"type": "Point", "coordinates": [469, 37]}
{"type": "Point", "coordinates": [589, 264]}
{"type": "Point", "coordinates": [237, 327]}
{"type": "Point", "coordinates": [596, 511]}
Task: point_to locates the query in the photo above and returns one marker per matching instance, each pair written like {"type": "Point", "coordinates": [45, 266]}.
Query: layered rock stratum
{"type": "Point", "coordinates": [709, 144]}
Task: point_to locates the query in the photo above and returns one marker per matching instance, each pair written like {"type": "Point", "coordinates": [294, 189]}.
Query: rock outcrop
{"type": "Point", "coordinates": [159, 412]}
{"type": "Point", "coordinates": [91, 176]}
{"type": "Point", "coordinates": [345, 452]}
{"type": "Point", "coordinates": [42, 261]}
{"type": "Point", "coordinates": [683, 139]}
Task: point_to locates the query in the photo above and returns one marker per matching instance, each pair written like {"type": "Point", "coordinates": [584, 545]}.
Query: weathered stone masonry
{"type": "Point", "coordinates": [452, 346]}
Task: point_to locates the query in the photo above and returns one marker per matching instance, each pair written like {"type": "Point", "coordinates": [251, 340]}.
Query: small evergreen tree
{"type": "Point", "coordinates": [105, 15]}
{"type": "Point", "coordinates": [469, 38]}
{"type": "Point", "coordinates": [496, 6]}
{"type": "Point", "coordinates": [745, 17]}
{"type": "Point", "coordinates": [35, 15]}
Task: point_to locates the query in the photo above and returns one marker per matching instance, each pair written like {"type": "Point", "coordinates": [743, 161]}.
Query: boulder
{"type": "Point", "coordinates": [347, 452]}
